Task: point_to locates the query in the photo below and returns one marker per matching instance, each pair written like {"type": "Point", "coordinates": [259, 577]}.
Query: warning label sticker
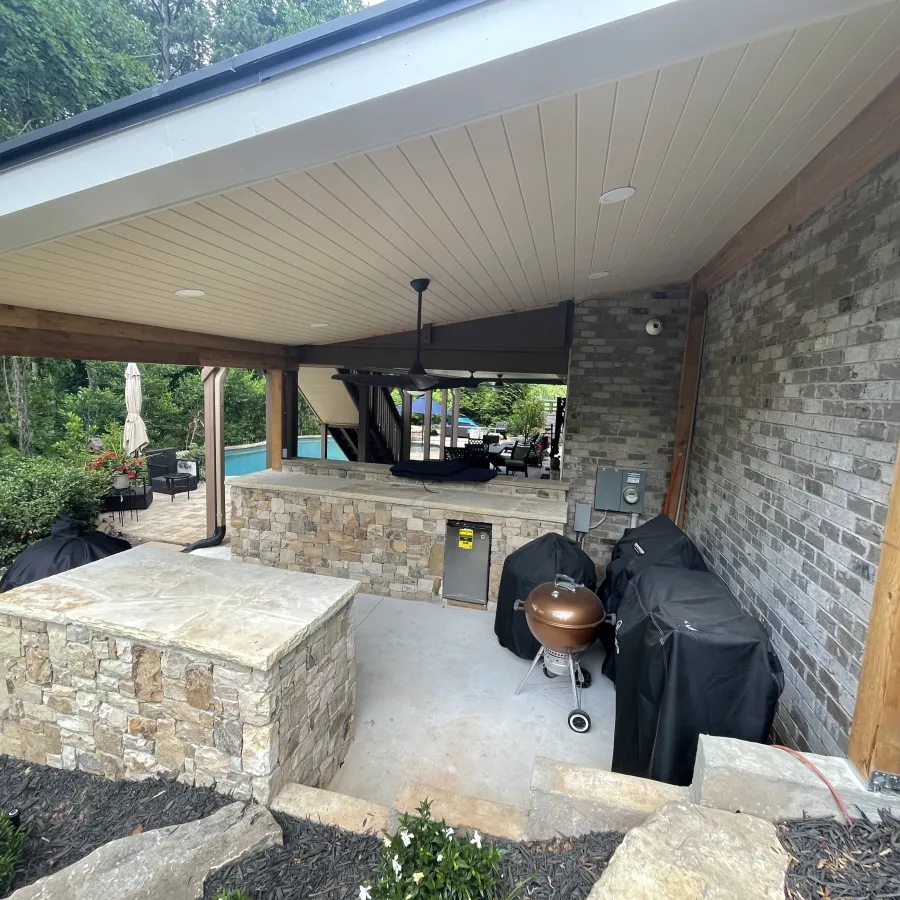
{"type": "Point", "coordinates": [465, 538]}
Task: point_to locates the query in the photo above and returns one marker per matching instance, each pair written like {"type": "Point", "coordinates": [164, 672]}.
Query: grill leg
{"type": "Point", "coordinates": [576, 691]}
{"type": "Point", "coordinates": [537, 659]}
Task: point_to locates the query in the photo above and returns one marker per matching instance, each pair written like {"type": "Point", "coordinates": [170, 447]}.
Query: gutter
{"type": "Point", "coordinates": [238, 73]}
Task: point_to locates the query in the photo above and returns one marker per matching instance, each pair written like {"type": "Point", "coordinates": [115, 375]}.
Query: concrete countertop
{"type": "Point", "coordinates": [484, 503]}
{"type": "Point", "coordinates": [251, 615]}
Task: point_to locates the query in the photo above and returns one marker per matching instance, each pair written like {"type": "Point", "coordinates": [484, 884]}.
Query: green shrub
{"type": "Point", "coordinates": [426, 859]}
{"type": "Point", "coordinates": [12, 841]}
{"type": "Point", "coordinates": [34, 491]}
{"type": "Point", "coordinates": [235, 894]}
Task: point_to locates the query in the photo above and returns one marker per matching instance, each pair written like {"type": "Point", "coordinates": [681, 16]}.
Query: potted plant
{"type": "Point", "coordinates": [121, 468]}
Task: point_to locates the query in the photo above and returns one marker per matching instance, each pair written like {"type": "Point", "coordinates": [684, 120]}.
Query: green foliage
{"type": "Point", "coordinates": [527, 418]}
{"type": "Point", "coordinates": [426, 859]}
{"type": "Point", "coordinates": [491, 403]}
{"type": "Point", "coordinates": [60, 57]}
{"type": "Point", "coordinates": [181, 33]}
{"type": "Point", "coordinates": [12, 843]}
{"type": "Point", "coordinates": [34, 491]}
{"type": "Point", "coordinates": [234, 894]}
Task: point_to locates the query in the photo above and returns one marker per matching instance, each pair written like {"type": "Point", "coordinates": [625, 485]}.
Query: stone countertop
{"type": "Point", "coordinates": [480, 503]}
{"type": "Point", "coordinates": [250, 615]}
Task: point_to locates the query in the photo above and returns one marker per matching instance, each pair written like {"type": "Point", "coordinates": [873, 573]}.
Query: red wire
{"type": "Point", "coordinates": [815, 769]}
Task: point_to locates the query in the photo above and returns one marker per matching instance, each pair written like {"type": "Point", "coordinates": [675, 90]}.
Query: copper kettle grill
{"type": "Point", "coordinates": [565, 618]}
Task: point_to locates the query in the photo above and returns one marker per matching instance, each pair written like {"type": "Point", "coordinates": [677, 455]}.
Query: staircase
{"type": "Point", "coordinates": [336, 404]}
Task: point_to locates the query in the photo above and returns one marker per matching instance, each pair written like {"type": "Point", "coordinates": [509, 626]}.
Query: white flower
{"type": "Point", "coordinates": [395, 863]}
{"type": "Point", "coordinates": [418, 876]}
{"type": "Point", "coordinates": [476, 840]}
{"type": "Point", "coordinates": [387, 841]}
{"type": "Point", "coordinates": [365, 893]}
{"type": "Point", "coordinates": [440, 857]}
{"type": "Point", "coordinates": [448, 831]}
{"type": "Point", "coordinates": [406, 837]}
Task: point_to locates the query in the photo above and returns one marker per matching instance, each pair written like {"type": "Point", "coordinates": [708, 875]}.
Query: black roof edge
{"type": "Point", "coordinates": [230, 75]}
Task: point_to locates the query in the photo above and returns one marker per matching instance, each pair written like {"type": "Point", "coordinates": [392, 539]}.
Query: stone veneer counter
{"type": "Point", "coordinates": [154, 662]}
{"type": "Point", "coordinates": [388, 536]}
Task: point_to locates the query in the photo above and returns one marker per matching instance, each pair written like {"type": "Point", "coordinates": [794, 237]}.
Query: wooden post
{"type": "Point", "coordinates": [443, 430]}
{"type": "Point", "coordinates": [426, 430]}
{"type": "Point", "coordinates": [274, 418]}
{"type": "Point", "coordinates": [213, 378]}
{"type": "Point", "coordinates": [687, 406]}
{"type": "Point", "coordinates": [290, 429]}
{"type": "Point", "coordinates": [362, 434]}
{"type": "Point", "coordinates": [324, 448]}
{"type": "Point", "coordinates": [454, 429]}
{"type": "Point", "coordinates": [875, 733]}
{"type": "Point", "coordinates": [407, 424]}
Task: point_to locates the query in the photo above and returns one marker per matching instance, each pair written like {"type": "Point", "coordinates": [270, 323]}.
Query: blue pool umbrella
{"type": "Point", "coordinates": [419, 406]}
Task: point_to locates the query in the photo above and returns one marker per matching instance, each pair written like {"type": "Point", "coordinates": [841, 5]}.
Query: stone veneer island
{"type": "Point", "coordinates": [153, 662]}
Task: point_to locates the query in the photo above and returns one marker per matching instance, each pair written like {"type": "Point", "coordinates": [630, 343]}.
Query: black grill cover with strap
{"type": "Point", "coordinates": [537, 562]}
{"type": "Point", "coordinates": [689, 662]}
{"type": "Point", "coordinates": [68, 547]}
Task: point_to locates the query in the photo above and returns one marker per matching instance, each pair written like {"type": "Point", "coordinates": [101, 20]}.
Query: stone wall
{"type": "Point", "coordinates": [622, 397]}
{"type": "Point", "coordinates": [392, 549]}
{"type": "Point", "coordinates": [797, 430]}
{"type": "Point", "coordinates": [509, 485]}
{"type": "Point", "coordinates": [79, 699]}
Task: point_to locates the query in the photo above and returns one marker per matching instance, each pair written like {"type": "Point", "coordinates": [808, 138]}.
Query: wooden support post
{"type": "Point", "coordinates": [407, 425]}
{"type": "Point", "coordinates": [875, 733]}
{"type": "Point", "coordinates": [454, 429]}
{"type": "Point", "coordinates": [324, 447]}
{"type": "Point", "coordinates": [213, 378]}
{"type": "Point", "coordinates": [274, 418]}
{"type": "Point", "coordinates": [443, 430]}
{"type": "Point", "coordinates": [426, 429]}
{"type": "Point", "coordinates": [290, 430]}
{"type": "Point", "coordinates": [687, 407]}
{"type": "Point", "coordinates": [362, 432]}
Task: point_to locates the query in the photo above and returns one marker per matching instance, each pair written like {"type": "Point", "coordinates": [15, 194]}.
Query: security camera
{"type": "Point", "coordinates": [654, 326]}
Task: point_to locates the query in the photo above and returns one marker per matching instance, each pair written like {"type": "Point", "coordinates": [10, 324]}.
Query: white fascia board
{"type": "Point", "coordinates": [485, 60]}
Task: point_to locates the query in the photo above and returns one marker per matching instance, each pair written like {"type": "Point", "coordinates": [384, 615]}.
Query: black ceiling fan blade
{"type": "Point", "coordinates": [378, 379]}
{"type": "Point", "coordinates": [449, 382]}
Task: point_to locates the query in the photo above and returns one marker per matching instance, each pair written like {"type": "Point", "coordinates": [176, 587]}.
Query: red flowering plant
{"type": "Point", "coordinates": [116, 461]}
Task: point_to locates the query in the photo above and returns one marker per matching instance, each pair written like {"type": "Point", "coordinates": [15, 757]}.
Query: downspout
{"type": "Point", "coordinates": [213, 378]}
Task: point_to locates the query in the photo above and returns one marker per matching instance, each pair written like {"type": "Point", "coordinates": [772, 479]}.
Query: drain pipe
{"type": "Point", "coordinates": [213, 378]}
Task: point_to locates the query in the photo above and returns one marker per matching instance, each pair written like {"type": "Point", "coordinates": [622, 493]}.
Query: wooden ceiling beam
{"type": "Point", "coordinates": [43, 333]}
{"type": "Point", "coordinates": [868, 140]}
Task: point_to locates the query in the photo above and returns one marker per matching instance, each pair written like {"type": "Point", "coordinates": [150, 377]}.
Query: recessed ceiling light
{"type": "Point", "coordinates": [617, 195]}
{"type": "Point", "coordinates": [319, 325]}
{"type": "Point", "coordinates": [595, 275]}
{"type": "Point", "coordinates": [190, 292]}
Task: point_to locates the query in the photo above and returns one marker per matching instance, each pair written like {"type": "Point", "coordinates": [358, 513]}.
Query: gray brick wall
{"type": "Point", "coordinates": [623, 391]}
{"type": "Point", "coordinates": [797, 429]}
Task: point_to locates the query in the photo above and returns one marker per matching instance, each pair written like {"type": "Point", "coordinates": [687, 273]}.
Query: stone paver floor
{"type": "Point", "coordinates": [171, 521]}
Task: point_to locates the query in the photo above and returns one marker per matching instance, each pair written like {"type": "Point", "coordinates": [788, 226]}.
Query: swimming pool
{"type": "Point", "coordinates": [244, 460]}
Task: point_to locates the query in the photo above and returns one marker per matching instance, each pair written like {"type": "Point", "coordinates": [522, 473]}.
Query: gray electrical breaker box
{"type": "Point", "coordinates": [619, 490]}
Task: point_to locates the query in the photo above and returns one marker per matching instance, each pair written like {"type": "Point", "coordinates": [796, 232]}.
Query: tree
{"type": "Point", "coordinates": [61, 57]}
{"type": "Point", "coordinates": [241, 25]}
{"type": "Point", "coordinates": [181, 33]}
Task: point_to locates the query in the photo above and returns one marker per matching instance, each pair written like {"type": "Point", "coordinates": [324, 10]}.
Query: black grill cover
{"type": "Point", "coordinates": [663, 543]}
{"type": "Point", "coordinates": [689, 662]}
{"type": "Point", "coordinates": [442, 470]}
{"type": "Point", "coordinates": [68, 547]}
{"type": "Point", "coordinates": [537, 562]}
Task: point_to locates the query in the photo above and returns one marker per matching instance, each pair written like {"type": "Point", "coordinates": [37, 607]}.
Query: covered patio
{"type": "Point", "coordinates": [686, 211]}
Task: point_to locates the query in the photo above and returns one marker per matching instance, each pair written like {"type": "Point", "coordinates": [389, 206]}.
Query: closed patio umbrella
{"type": "Point", "coordinates": [135, 429]}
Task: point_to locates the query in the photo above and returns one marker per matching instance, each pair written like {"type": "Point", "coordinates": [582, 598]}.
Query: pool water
{"type": "Point", "coordinates": [245, 460]}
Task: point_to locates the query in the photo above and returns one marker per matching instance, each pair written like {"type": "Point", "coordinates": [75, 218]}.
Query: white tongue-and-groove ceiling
{"type": "Point", "coordinates": [502, 214]}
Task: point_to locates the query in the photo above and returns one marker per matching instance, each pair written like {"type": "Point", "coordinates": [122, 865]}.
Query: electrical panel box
{"type": "Point", "coordinates": [619, 490]}
{"type": "Point", "coordinates": [582, 518]}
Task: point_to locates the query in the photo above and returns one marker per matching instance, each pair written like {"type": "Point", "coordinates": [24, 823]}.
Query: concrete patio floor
{"type": "Point", "coordinates": [435, 704]}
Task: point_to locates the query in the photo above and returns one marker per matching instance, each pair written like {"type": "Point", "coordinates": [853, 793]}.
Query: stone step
{"type": "Point", "coordinates": [460, 811]}
{"type": "Point", "coordinates": [686, 852]}
{"type": "Point", "coordinates": [767, 782]}
{"type": "Point", "coordinates": [349, 813]}
{"type": "Point", "coordinates": [569, 800]}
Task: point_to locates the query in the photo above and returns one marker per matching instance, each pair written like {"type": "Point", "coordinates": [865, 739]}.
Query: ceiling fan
{"type": "Point", "coordinates": [415, 378]}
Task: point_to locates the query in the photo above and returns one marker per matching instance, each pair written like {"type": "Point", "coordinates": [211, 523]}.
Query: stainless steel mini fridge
{"type": "Point", "coordinates": [467, 561]}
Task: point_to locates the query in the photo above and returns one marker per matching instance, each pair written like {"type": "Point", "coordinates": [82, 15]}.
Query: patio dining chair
{"type": "Point", "coordinates": [517, 461]}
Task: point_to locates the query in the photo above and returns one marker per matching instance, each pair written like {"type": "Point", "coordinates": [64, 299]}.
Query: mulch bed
{"type": "Point", "coordinates": [321, 862]}
{"type": "Point", "coordinates": [71, 814]}
{"type": "Point", "coordinates": [839, 862]}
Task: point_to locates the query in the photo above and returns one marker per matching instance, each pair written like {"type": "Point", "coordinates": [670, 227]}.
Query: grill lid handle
{"type": "Point", "coordinates": [564, 581]}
